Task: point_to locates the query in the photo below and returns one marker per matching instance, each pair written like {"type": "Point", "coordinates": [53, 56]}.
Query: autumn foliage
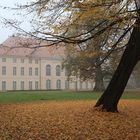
{"type": "Point", "coordinates": [72, 120]}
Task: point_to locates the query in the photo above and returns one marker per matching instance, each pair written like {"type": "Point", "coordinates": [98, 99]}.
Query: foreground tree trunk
{"type": "Point", "coordinates": [110, 98]}
{"type": "Point", "coordinates": [99, 85]}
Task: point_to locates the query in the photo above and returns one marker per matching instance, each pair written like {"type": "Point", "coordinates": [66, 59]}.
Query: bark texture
{"type": "Point", "coordinates": [99, 84]}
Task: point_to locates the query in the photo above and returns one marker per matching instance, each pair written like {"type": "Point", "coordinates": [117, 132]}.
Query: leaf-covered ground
{"type": "Point", "coordinates": [71, 120]}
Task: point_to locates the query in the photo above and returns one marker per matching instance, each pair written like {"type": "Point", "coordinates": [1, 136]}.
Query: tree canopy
{"type": "Point", "coordinates": [54, 20]}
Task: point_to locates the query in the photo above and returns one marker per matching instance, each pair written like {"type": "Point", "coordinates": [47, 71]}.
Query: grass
{"type": "Point", "coordinates": [31, 96]}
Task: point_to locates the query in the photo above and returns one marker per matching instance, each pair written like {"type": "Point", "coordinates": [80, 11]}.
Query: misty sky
{"type": "Point", "coordinates": [5, 32]}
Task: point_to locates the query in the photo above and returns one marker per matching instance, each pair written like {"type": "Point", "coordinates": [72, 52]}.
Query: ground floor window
{"type": "Point", "coordinates": [76, 85]}
{"type": "Point", "coordinates": [81, 85]}
{"type": "Point", "coordinates": [22, 85]}
{"type": "Point", "coordinates": [36, 85]}
{"type": "Point", "coordinates": [58, 84]}
{"type": "Point", "coordinates": [14, 85]}
{"type": "Point", "coordinates": [86, 84]}
{"type": "Point", "coordinates": [30, 85]}
{"type": "Point", "coordinates": [92, 85]}
{"type": "Point", "coordinates": [48, 84]}
{"type": "Point", "coordinates": [66, 84]}
{"type": "Point", "coordinates": [3, 85]}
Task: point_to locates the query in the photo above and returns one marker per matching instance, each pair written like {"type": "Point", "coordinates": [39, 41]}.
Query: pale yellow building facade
{"type": "Point", "coordinates": [26, 69]}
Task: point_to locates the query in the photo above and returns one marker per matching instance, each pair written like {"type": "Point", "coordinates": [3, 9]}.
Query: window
{"type": "Point", "coordinates": [22, 85]}
{"type": "Point", "coordinates": [30, 85]}
{"type": "Point", "coordinates": [58, 70]}
{"type": "Point", "coordinates": [48, 84]}
{"type": "Point", "coordinates": [3, 85]}
{"type": "Point", "coordinates": [36, 71]}
{"type": "Point", "coordinates": [36, 61]}
{"type": "Point", "coordinates": [76, 85]}
{"type": "Point", "coordinates": [86, 84]}
{"type": "Point", "coordinates": [30, 71]}
{"type": "Point", "coordinates": [3, 59]}
{"type": "Point", "coordinates": [48, 70]}
{"type": "Point", "coordinates": [58, 84]}
{"type": "Point", "coordinates": [14, 60]}
{"type": "Point", "coordinates": [66, 84]}
{"type": "Point", "coordinates": [22, 60]}
{"type": "Point", "coordinates": [36, 85]}
{"type": "Point", "coordinates": [80, 84]}
{"type": "Point", "coordinates": [14, 71]}
{"type": "Point", "coordinates": [14, 85]}
{"type": "Point", "coordinates": [22, 71]}
{"type": "Point", "coordinates": [66, 72]}
{"type": "Point", "coordinates": [92, 85]}
{"type": "Point", "coordinates": [3, 70]}
{"type": "Point", "coordinates": [30, 60]}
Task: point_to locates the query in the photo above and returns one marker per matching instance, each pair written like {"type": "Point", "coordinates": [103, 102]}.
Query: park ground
{"type": "Point", "coordinates": [68, 118]}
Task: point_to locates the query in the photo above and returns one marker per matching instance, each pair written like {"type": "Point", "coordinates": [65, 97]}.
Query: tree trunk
{"type": "Point", "coordinates": [99, 85]}
{"type": "Point", "coordinates": [110, 98]}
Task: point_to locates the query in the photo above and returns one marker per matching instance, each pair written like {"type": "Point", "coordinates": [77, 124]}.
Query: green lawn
{"type": "Point", "coordinates": [30, 96]}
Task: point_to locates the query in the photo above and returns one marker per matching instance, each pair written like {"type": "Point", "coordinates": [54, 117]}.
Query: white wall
{"type": "Point", "coordinates": [41, 78]}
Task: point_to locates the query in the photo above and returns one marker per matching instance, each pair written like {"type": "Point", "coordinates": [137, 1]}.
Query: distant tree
{"type": "Point", "coordinates": [86, 57]}
{"type": "Point", "coordinates": [83, 62]}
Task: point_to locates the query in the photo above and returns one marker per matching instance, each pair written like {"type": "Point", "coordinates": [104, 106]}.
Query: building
{"type": "Point", "coordinates": [25, 64]}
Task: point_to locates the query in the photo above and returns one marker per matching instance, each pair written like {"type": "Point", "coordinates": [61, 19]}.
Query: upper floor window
{"type": "Point", "coordinates": [66, 72]}
{"type": "Point", "coordinates": [3, 59]}
{"type": "Point", "coordinates": [30, 71]}
{"type": "Point", "coordinates": [36, 71]}
{"type": "Point", "coordinates": [22, 60]}
{"type": "Point", "coordinates": [58, 70]}
{"type": "Point", "coordinates": [48, 70]}
{"type": "Point", "coordinates": [14, 60]}
{"type": "Point", "coordinates": [22, 70]}
{"type": "Point", "coordinates": [3, 70]}
{"type": "Point", "coordinates": [36, 61]}
{"type": "Point", "coordinates": [30, 60]}
{"type": "Point", "coordinates": [14, 71]}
